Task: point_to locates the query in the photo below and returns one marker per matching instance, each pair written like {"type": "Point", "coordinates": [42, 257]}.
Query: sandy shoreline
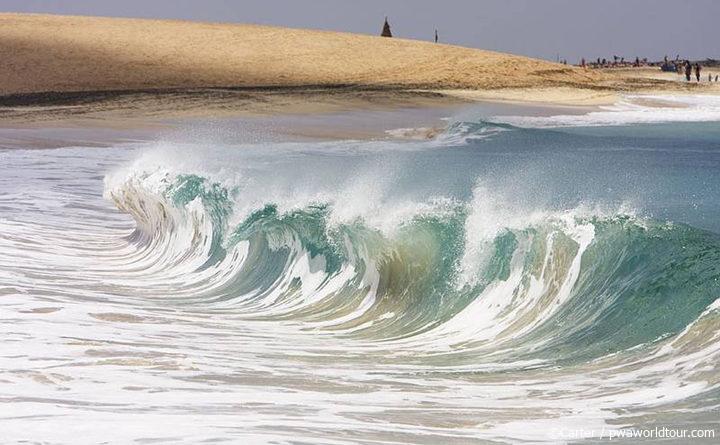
{"type": "Point", "coordinates": [211, 102]}
{"type": "Point", "coordinates": [147, 108]}
{"type": "Point", "coordinates": [61, 68]}
{"type": "Point", "coordinates": [135, 107]}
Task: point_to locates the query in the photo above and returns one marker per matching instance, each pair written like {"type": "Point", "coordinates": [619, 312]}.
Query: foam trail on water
{"type": "Point", "coordinates": [633, 109]}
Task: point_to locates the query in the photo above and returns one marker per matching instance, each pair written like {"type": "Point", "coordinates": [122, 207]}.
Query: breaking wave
{"type": "Point", "coordinates": [545, 289]}
{"type": "Point", "coordinates": [490, 284]}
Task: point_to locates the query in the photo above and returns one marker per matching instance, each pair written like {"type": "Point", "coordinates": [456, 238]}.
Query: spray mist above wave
{"type": "Point", "coordinates": [474, 277]}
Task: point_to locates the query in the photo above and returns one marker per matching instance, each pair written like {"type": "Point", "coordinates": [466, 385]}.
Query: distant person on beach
{"type": "Point", "coordinates": [697, 71]}
{"type": "Point", "coordinates": [717, 77]}
{"type": "Point", "coordinates": [688, 70]}
{"type": "Point", "coordinates": [436, 36]}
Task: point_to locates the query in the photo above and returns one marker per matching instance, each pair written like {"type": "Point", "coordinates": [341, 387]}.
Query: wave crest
{"type": "Point", "coordinates": [470, 277]}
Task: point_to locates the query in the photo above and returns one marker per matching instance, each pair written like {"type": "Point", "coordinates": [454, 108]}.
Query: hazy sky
{"type": "Point", "coordinates": [539, 28]}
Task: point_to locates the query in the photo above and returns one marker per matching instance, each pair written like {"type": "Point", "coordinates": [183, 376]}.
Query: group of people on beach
{"type": "Point", "coordinates": [678, 65]}
{"type": "Point", "coordinates": [687, 68]}
{"type": "Point", "coordinates": [697, 68]}
{"type": "Point", "coordinates": [616, 62]}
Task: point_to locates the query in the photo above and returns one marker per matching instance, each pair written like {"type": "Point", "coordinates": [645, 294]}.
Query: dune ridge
{"type": "Point", "coordinates": [42, 53]}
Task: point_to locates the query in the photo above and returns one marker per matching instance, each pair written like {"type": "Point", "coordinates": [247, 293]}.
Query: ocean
{"type": "Point", "coordinates": [523, 277]}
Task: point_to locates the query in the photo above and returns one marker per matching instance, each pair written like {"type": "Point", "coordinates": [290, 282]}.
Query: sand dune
{"type": "Point", "coordinates": [111, 68]}
{"type": "Point", "coordinates": [43, 53]}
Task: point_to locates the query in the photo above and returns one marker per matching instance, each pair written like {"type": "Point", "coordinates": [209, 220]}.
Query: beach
{"type": "Point", "coordinates": [219, 233]}
{"type": "Point", "coordinates": [55, 67]}
{"type": "Point", "coordinates": [133, 54]}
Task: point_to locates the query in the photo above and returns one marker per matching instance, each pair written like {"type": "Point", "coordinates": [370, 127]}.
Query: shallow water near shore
{"type": "Point", "coordinates": [523, 276]}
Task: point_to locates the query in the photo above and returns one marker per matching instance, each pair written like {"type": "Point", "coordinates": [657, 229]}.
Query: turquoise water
{"type": "Point", "coordinates": [514, 279]}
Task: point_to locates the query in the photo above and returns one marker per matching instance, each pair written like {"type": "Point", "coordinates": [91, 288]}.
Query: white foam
{"type": "Point", "coordinates": [634, 109]}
